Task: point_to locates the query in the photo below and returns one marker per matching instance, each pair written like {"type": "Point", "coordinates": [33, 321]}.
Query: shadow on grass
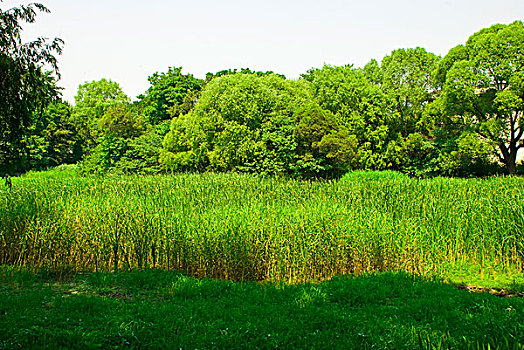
{"type": "Point", "coordinates": [159, 309]}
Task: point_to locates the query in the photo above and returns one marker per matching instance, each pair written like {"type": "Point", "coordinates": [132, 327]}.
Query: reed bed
{"type": "Point", "coordinates": [244, 227]}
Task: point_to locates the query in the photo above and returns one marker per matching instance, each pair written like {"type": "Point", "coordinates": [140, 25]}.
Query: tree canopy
{"type": "Point", "coordinates": [93, 100]}
{"type": "Point", "coordinates": [483, 89]}
{"type": "Point", "coordinates": [26, 85]}
{"type": "Point", "coordinates": [171, 93]}
{"type": "Point", "coordinates": [411, 111]}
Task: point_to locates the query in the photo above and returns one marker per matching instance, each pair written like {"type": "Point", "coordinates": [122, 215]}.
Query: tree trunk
{"type": "Point", "coordinates": [511, 162]}
{"type": "Point", "coordinates": [512, 169]}
{"type": "Point", "coordinates": [508, 157]}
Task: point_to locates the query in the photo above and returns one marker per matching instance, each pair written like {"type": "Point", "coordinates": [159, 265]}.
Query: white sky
{"type": "Point", "coordinates": [128, 40]}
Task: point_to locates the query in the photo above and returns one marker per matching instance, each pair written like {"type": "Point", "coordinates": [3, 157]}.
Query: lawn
{"type": "Point", "coordinates": [163, 309]}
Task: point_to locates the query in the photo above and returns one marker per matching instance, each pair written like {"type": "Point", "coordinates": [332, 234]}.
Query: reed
{"type": "Point", "coordinates": [244, 227]}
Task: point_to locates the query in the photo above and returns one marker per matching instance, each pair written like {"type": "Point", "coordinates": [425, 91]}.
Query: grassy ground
{"type": "Point", "coordinates": [162, 309]}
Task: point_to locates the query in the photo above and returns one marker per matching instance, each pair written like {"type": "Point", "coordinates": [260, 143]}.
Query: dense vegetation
{"type": "Point", "coordinates": [414, 111]}
{"type": "Point", "coordinates": [331, 180]}
{"type": "Point", "coordinates": [244, 227]}
{"type": "Point", "coordinates": [26, 87]}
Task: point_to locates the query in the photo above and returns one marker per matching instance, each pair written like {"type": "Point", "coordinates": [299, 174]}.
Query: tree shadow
{"type": "Point", "coordinates": [155, 308]}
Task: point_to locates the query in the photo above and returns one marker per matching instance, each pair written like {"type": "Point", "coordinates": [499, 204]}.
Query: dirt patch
{"type": "Point", "coordinates": [499, 292]}
{"type": "Point", "coordinates": [119, 296]}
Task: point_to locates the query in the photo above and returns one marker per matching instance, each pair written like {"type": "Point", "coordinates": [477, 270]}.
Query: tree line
{"type": "Point", "coordinates": [415, 112]}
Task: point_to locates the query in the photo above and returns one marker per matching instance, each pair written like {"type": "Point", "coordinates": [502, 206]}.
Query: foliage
{"type": "Point", "coordinates": [406, 78]}
{"type": "Point", "coordinates": [246, 227]}
{"type": "Point", "coordinates": [53, 139]}
{"type": "Point", "coordinates": [416, 155]}
{"type": "Point", "coordinates": [211, 76]}
{"type": "Point", "coordinates": [93, 100]}
{"type": "Point", "coordinates": [322, 146]}
{"type": "Point", "coordinates": [104, 156]}
{"type": "Point", "coordinates": [122, 120]}
{"type": "Point", "coordinates": [171, 94]}
{"type": "Point", "coordinates": [483, 89]}
{"type": "Point", "coordinates": [121, 140]}
{"type": "Point", "coordinates": [365, 175]}
{"type": "Point", "coordinates": [413, 112]}
{"type": "Point", "coordinates": [25, 87]}
{"type": "Point", "coordinates": [142, 154]}
{"type": "Point", "coordinates": [242, 122]}
{"type": "Point", "coordinates": [361, 112]}
{"type": "Point", "coordinates": [467, 155]}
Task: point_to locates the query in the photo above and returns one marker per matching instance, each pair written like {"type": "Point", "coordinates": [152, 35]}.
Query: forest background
{"type": "Point", "coordinates": [414, 112]}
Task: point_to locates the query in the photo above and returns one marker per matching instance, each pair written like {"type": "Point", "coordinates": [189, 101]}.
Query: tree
{"type": "Point", "coordinates": [170, 94]}
{"type": "Point", "coordinates": [142, 153]}
{"type": "Point", "coordinates": [360, 109]}
{"type": "Point", "coordinates": [468, 155]}
{"type": "Point", "coordinates": [222, 132]}
{"type": "Point", "coordinates": [93, 100]}
{"type": "Point", "coordinates": [242, 122]}
{"type": "Point", "coordinates": [25, 86]}
{"type": "Point", "coordinates": [122, 120]}
{"type": "Point", "coordinates": [324, 147]}
{"type": "Point", "coordinates": [53, 140]}
{"type": "Point", "coordinates": [211, 76]}
{"type": "Point", "coordinates": [261, 123]}
{"type": "Point", "coordinates": [117, 136]}
{"type": "Point", "coordinates": [483, 89]}
{"type": "Point", "coordinates": [406, 78]}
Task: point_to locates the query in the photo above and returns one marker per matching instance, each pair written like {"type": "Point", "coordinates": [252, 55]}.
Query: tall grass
{"type": "Point", "coordinates": [238, 227]}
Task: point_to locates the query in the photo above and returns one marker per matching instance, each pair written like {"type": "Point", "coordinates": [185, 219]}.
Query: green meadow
{"type": "Point", "coordinates": [370, 206]}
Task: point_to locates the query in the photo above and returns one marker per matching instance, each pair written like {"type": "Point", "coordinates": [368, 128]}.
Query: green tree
{"type": "Point", "coordinates": [142, 153]}
{"type": "Point", "coordinates": [117, 135]}
{"type": "Point", "coordinates": [242, 122]}
{"type": "Point", "coordinates": [324, 148]}
{"type": "Point", "coordinates": [223, 129]}
{"type": "Point", "coordinates": [406, 78]}
{"type": "Point", "coordinates": [53, 139]}
{"type": "Point", "coordinates": [259, 123]}
{"type": "Point", "coordinates": [93, 100]}
{"type": "Point", "coordinates": [483, 89]}
{"type": "Point", "coordinates": [361, 111]}
{"type": "Point", "coordinates": [118, 129]}
{"type": "Point", "coordinates": [466, 155]}
{"type": "Point", "coordinates": [211, 76]}
{"type": "Point", "coordinates": [122, 120]}
{"type": "Point", "coordinates": [25, 85]}
{"type": "Point", "coordinates": [170, 94]}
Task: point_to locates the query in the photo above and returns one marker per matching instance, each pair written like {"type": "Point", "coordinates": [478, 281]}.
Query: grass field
{"type": "Point", "coordinates": [161, 309]}
{"type": "Point", "coordinates": [242, 227]}
{"type": "Point", "coordinates": [214, 261]}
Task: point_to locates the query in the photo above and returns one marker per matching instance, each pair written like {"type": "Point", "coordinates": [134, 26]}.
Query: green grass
{"type": "Point", "coordinates": [243, 227]}
{"type": "Point", "coordinates": [160, 309]}
{"type": "Point", "coordinates": [370, 261]}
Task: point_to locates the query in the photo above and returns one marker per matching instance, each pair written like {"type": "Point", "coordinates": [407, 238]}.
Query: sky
{"type": "Point", "coordinates": [129, 40]}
